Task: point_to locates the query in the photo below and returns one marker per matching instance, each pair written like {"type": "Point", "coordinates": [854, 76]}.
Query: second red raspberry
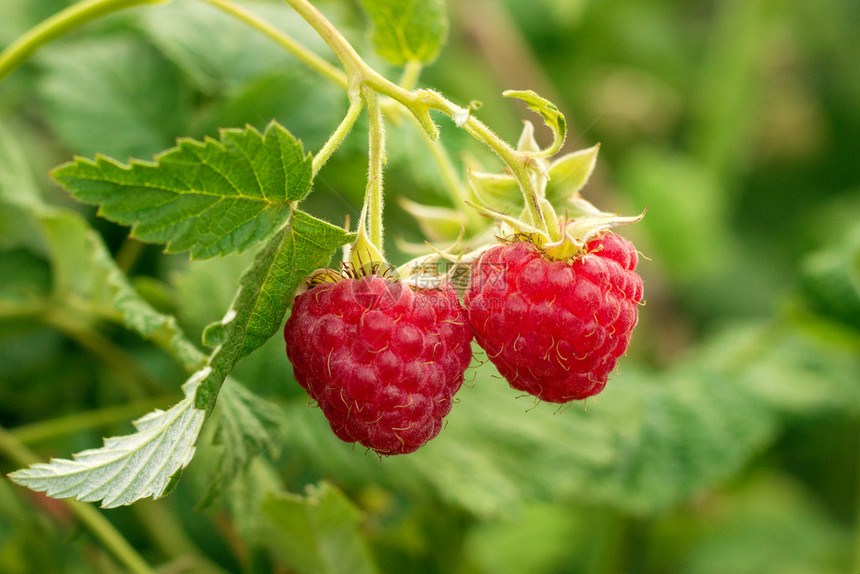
{"type": "Point", "coordinates": [555, 329]}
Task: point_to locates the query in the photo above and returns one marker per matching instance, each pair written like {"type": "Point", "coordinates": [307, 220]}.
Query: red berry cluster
{"type": "Point", "coordinates": [383, 359]}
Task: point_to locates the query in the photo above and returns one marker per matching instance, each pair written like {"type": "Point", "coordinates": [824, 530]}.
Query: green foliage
{"type": "Point", "coordinates": [728, 441]}
{"type": "Point", "coordinates": [769, 526]}
{"type": "Point", "coordinates": [832, 280]}
{"type": "Point", "coordinates": [126, 468]}
{"type": "Point", "coordinates": [91, 94]}
{"type": "Point", "coordinates": [406, 31]}
{"type": "Point", "coordinates": [319, 532]}
{"type": "Point", "coordinates": [246, 425]}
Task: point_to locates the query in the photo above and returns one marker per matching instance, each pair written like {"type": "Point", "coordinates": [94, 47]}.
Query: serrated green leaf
{"type": "Point", "coordinates": [245, 427]}
{"type": "Point", "coordinates": [318, 533]}
{"type": "Point", "coordinates": [114, 95]}
{"type": "Point", "coordinates": [551, 115]}
{"type": "Point", "coordinates": [266, 291]}
{"type": "Point", "coordinates": [82, 268]}
{"type": "Point", "coordinates": [126, 468]}
{"type": "Point", "coordinates": [406, 31]}
{"type": "Point", "coordinates": [211, 197]}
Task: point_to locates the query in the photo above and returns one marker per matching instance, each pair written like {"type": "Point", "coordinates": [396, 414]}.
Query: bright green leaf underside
{"type": "Point", "coordinates": [210, 198]}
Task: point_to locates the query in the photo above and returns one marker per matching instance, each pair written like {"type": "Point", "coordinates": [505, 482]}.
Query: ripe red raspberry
{"type": "Point", "coordinates": [383, 360]}
{"type": "Point", "coordinates": [555, 328]}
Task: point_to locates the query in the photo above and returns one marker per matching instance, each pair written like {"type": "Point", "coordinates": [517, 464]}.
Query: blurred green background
{"type": "Point", "coordinates": [730, 440]}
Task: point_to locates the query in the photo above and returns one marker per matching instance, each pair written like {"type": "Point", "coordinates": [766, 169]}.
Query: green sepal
{"type": "Point", "coordinates": [436, 223]}
{"type": "Point", "coordinates": [569, 174]}
{"type": "Point", "coordinates": [498, 190]}
{"type": "Point", "coordinates": [365, 258]}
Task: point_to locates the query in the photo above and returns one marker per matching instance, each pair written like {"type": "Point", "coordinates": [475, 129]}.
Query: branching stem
{"type": "Point", "coordinates": [421, 102]}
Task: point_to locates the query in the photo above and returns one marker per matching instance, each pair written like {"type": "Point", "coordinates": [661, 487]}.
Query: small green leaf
{"type": "Point", "coordinates": [266, 292]}
{"type": "Point", "coordinates": [551, 115]}
{"type": "Point", "coordinates": [126, 468]}
{"type": "Point", "coordinates": [499, 191]}
{"type": "Point", "coordinates": [245, 427]}
{"type": "Point", "coordinates": [84, 270]}
{"type": "Point", "coordinates": [437, 223]}
{"type": "Point", "coordinates": [569, 174]}
{"type": "Point", "coordinates": [831, 280]}
{"type": "Point", "coordinates": [307, 244]}
{"type": "Point", "coordinates": [406, 31]}
{"type": "Point", "coordinates": [211, 197]}
{"type": "Point", "coordinates": [318, 533]}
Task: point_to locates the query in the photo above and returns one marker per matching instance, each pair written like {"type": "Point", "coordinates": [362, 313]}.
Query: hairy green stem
{"type": "Point", "coordinates": [92, 519]}
{"type": "Point", "coordinates": [57, 25]}
{"type": "Point", "coordinates": [355, 107]}
{"type": "Point", "coordinates": [516, 161]}
{"type": "Point", "coordinates": [291, 45]}
{"type": "Point", "coordinates": [373, 193]}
